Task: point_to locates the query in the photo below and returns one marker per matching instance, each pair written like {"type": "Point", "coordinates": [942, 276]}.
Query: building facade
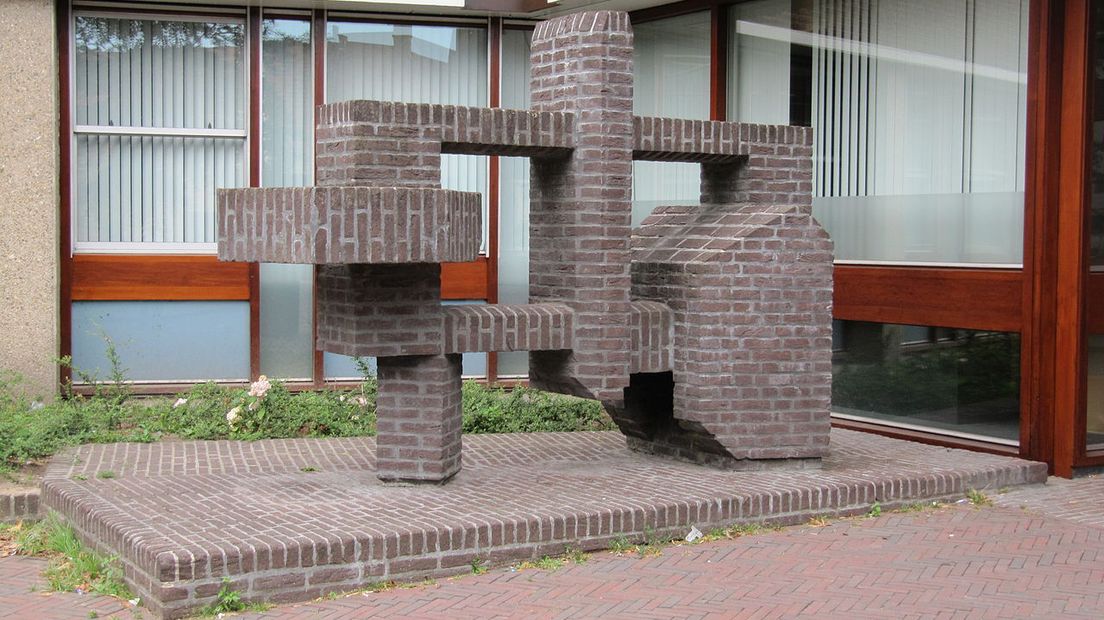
{"type": "Point", "coordinates": [958, 167]}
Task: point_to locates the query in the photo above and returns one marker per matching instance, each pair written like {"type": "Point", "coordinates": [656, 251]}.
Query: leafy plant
{"type": "Point", "coordinates": [977, 498]}
{"type": "Point", "coordinates": [875, 510]}
{"type": "Point", "coordinates": [72, 566]}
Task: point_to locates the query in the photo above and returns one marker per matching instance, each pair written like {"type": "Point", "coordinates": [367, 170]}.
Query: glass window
{"type": "Point", "coordinates": [671, 72]}
{"type": "Point", "coordinates": [513, 205]}
{"type": "Point", "coordinates": [919, 110]}
{"type": "Point", "coordinates": [415, 64]}
{"type": "Point", "coordinates": [960, 382]}
{"type": "Point", "coordinates": [160, 112]}
{"type": "Point", "coordinates": [287, 159]}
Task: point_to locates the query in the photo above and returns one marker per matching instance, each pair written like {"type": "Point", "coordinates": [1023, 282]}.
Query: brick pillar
{"type": "Point", "coordinates": [418, 418]}
{"type": "Point", "coordinates": [579, 219]}
{"type": "Point", "coordinates": [392, 311]}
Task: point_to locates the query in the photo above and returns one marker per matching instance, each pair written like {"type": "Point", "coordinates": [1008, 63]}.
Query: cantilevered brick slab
{"type": "Point", "coordinates": [508, 327]}
{"type": "Point", "coordinates": [349, 225]}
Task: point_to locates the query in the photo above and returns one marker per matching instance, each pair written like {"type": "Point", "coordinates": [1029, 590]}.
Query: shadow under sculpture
{"type": "Point", "coordinates": [705, 332]}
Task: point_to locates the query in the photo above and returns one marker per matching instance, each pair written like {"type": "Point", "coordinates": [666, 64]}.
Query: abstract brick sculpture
{"type": "Point", "coordinates": [706, 333]}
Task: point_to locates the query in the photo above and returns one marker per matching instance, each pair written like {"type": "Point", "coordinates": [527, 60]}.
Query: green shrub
{"type": "Point", "coordinates": [264, 411]}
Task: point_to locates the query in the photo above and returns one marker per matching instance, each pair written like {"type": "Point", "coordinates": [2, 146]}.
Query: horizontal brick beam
{"type": "Point", "coordinates": [349, 225]}
{"type": "Point", "coordinates": [683, 140]}
{"type": "Point", "coordinates": [465, 130]}
{"type": "Point", "coordinates": [508, 327]}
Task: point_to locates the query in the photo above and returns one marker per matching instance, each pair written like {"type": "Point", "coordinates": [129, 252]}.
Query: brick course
{"type": "Point", "coordinates": [183, 515]}
{"type": "Point", "coordinates": [508, 327]}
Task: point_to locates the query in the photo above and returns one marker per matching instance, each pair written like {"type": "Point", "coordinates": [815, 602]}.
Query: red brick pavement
{"type": "Point", "coordinates": [955, 562]}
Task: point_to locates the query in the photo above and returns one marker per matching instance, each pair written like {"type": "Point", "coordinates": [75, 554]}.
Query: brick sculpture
{"type": "Point", "coordinates": [706, 333]}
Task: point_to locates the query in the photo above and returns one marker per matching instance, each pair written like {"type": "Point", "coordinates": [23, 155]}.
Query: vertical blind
{"type": "Point", "coordinates": [415, 64]}
{"type": "Point", "coordinates": [920, 117]}
{"type": "Point", "coordinates": [160, 113]}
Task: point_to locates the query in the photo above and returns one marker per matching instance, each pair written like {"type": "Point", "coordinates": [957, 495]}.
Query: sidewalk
{"type": "Point", "coordinates": [1037, 553]}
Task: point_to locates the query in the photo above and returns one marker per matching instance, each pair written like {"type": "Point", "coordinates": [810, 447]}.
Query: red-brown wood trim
{"type": "Point", "coordinates": [1037, 346]}
{"type": "Point", "coordinates": [127, 277]}
{"type": "Point", "coordinates": [671, 10]}
{"type": "Point", "coordinates": [464, 281]}
{"type": "Point", "coordinates": [1073, 178]}
{"type": "Point", "coordinates": [457, 21]}
{"type": "Point", "coordinates": [718, 62]}
{"type": "Point", "coordinates": [494, 42]}
{"type": "Point", "coordinates": [256, 29]}
{"type": "Point", "coordinates": [986, 299]}
{"type": "Point", "coordinates": [934, 439]}
{"type": "Point", "coordinates": [318, 40]}
{"type": "Point", "coordinates": [64, 18]}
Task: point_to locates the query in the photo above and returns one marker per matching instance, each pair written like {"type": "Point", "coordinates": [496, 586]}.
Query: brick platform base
{"type": "Point", "coordinates": [19, 506]}
{"type": "Point", "coordinates": [290, 520]}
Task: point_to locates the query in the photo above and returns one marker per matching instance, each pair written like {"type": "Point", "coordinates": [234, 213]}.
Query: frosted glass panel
{"type": "Point", "coordinates": [287, 148]}
{"type": "Point", "coordinates": [671, 71]}
{"type": "Point", "coordinates": [414, 64]}
{"type": "Point", "coordinates": [164, 341]}
{"type": "Point", "coordinates": [152, 73]}
{"type": "Point", "coordinates": [151, 189]}
{"type": "Point", "coordinates": [513, 208]}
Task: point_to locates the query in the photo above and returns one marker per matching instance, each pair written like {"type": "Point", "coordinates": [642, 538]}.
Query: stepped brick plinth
{"type": "Point", "coordinates": [706, 333]}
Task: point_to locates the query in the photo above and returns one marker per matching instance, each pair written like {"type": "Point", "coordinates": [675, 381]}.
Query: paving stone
{"type": "Point", "coordinates": [185, 514]}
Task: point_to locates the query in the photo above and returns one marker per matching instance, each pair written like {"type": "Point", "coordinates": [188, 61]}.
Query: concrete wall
{"type": "Point", "coordinates": [29, 192]}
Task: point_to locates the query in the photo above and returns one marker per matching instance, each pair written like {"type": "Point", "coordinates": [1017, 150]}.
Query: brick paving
{"type": "Point", "coordinates": [957, 562]}
{"type": "Point", "coordinates": [291, 520]}
{"type": "Point", "coordinates": [1080, 499]}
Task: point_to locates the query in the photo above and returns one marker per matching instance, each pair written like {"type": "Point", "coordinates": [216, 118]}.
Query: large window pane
{"type": "Point", "coordinates": [160, 112]}
{"type": "Point", "coordinates": [671, 71]}
{"type": "Point", "coordinates": [287, 149]}
{"type": "Point", "coordinates": [957, 381]}
{"type": "Point", "coordinates": [919, 110]}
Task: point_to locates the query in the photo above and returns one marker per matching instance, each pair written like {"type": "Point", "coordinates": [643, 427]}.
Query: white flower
{"type": "Point", "coordinates": [363, 402]}
{"type": "Point", "coordinates": [232, 416]}
{"type": "Point", "coordinates": [259, 387]}
{"type": "Point", "coordinates": [341, 398]}
{"type": "Point", "coordinates": [180, 402]}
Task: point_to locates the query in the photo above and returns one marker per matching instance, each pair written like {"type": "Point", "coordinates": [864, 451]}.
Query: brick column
{"type": "Point", "coordinates": [579, 222]}
{"type": "Point", "coordinates": [392, 310]}
{"type": "Point", "coordinates": [418, 418]}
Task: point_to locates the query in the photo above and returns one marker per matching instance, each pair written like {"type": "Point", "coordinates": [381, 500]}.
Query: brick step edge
{"type": "Point", "coordinates": [19, 506]}
{"type": "Point", "coordinates": [289, 585]}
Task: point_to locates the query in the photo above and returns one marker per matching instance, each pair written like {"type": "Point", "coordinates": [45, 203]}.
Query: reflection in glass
{"type": "Point", "coordinates": [957, 381]}
{"type": "Point", "coordinates": [671, 73]}
{"type": "Point", "coordinates": [919, 116]}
